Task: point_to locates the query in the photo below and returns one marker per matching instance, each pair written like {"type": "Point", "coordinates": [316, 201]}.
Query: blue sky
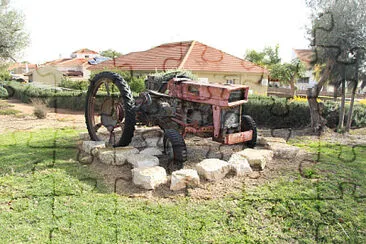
{"type": "Point", "coordinates": [59, 27]}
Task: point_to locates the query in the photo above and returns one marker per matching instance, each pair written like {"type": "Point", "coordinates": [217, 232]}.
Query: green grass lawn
{"type": "Point", "coordinates": [47, 196]}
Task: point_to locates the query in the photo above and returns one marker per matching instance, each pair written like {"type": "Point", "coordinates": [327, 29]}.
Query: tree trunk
{"type": "Point", "coordinates": [317, 121]}
{"type": "Point", "coordinates": [350, 112]}
{"type": "Point", "coordinates": [342, 110]}
{"type": "Point", "coordinates": [293, 88]}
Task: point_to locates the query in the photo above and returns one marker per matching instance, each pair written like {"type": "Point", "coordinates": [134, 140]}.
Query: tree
{"type": "Point", "coordinates": [13, 38]}
{"type": "Point", "coordinates": [266, 58]}
{"type": "Point", "coordinates": [110, 53]}
{"type": "Point", "coordinates": [269, 59]}
{"type": "Point", "coordinates": [288, 73]}
{"type": "Point", "coordinates": [338, 35]}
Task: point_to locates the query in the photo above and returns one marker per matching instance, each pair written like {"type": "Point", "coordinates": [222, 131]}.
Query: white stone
{"type": "Point", "coordinates": [149, 177]}
{"type": "Point", "coordinates": [182, 178]}
{"type": "Point", "coordinates": [116, 156]}
{"type": "Point", "coordinates": [148, 132]}
{"type": "Point", "coordinates": [257, 158]}
{"type": "Point", "coordinates": [151, 151]}
{"type": "Point", "coordinates": [154, 142]}
{"type": "Point", "coordinates": [239, 164]}
{"type": "Point", "coordinates": [266, 140]}
{"type": "Point", "coordinates": [138, 141]}
{"type": "Point", "coordinates": [88, 146]}
{"type": "Point", "coordinates": [275, 139]}
{"type": "Point", "coordinates": [213, 169]}
{"type": "Point", "coordinates": [281, 150]}
{"type": "Point", "coordinates": [142, 160]}
{"type": "Point", "coordinates": [86, 160]}
{"type": "Point", "coordinates": [84, 136]}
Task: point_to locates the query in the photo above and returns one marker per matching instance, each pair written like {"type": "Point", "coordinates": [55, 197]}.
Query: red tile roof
{"type": "Point", "coordinates": [22, 65]}
{"type": "Point", "coordinates": [304, 55]}
{"type": "Point", "coordinates": [65, 62]}
{"type": "Point", "coordinates": [57, 61]}
{"type": "Point", "coordinates": [189, 55]}
{"type": "Point", "coordinates": [73, 62]}
{"type": "Point", "coordinates": [85, 50]}
{"type": "Point", "coordinates": [206, 58]}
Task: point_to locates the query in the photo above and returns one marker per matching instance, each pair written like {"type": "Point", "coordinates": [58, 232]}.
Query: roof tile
{"type": "Point", "coordinates": [189, 55]}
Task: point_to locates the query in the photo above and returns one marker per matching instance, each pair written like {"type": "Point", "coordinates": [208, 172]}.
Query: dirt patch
{"type": "Point", "coordinates": [24, 121]}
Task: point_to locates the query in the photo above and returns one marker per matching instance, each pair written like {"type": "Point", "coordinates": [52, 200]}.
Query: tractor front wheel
{"type": "Point", "coordinates": [248, 123]}
{"type": "Point", "coordinates": [109, 112]}
{"type": "Point", "coordinates": [175, 148]}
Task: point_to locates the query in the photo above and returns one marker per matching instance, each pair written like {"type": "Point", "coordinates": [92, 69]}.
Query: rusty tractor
{"type": "Point", "coordinates": [178, 106]}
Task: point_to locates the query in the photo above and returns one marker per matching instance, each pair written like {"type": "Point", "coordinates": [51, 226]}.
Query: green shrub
{"type": "Point", "coordinates": [170, 74]}
{"type": "Point", "coordinates": [40, 109]}
{"type": "Point", "coordinates": [3, 92]}
{"type": "Point", "coordinates": [273, 112]}
{"type": "Point", "coordinates": [75, 85]}
{"type": "Point", "coordinates": [137, 85]}
{"type": "Point", "coordinates": [4, 74]}
{"type": "Point", "coordinates": [54, 98]}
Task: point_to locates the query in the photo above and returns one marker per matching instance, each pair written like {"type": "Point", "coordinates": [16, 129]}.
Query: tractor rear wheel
{"type": "Point", "coordinates": [175, 148]}
{"type": "Point", "coordinates": [109, 112]}
{"type": "Point", "coordinates": [248, 123]}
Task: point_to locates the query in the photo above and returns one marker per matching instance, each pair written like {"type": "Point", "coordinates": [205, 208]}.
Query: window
{"type": "Point", "coordinates": [303, 80]}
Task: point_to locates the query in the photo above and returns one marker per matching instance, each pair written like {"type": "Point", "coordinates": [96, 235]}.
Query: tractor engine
{"type": "Point", "coordinates": [198, 114]}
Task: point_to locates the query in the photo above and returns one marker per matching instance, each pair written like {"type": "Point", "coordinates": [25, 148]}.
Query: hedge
{"type": "Point", "coordinates": [3, 92]}
{"type": "Point", "coordinates": [74, 100]}
{"type": "Point", "coordinates": [269, 112]}
{"type": "Point", "coordinates": [273, 112]}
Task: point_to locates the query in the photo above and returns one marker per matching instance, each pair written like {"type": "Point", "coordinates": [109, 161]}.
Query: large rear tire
{"type": "Point", "coordinates": [175, 148]}
{"type": "Point", "coordinates": [248, 123]}
{"type": "Point", "coordinates": [109, 112]}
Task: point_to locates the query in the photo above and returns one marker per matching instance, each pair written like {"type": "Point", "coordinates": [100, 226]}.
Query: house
{"type": "Point", "coordinates": [18, 71]}
{"type": "Point", "coordinates": [21, 68]}
{"type": "Point", "coordinates": [205, 62]}
{"type": "Point", "coordinates": [74, 67]}
{"type": "Point", "coordinates": [308, 80]}
{"type": "Point", "coordinates": [47, 75]}
{"type": "Point", "coordinates": [306, 56]}
{"type": "Point", "coordinates": [84, 53]}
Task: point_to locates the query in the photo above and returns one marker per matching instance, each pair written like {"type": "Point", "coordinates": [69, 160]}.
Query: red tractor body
{"type": "Point", "coordinates": [221, 97]}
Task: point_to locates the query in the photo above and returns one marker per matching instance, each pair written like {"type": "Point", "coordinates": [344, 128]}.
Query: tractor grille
{"type": "Point", "coordinates": [236, 95]}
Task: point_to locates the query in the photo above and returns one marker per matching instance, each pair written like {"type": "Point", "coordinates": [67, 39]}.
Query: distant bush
{"type": "Point", "coordinates": [40, 108]}
{"type": "Point", "coordinates": [302, 99]}
{"type": "Point", "coordinates": [81, 85]}
{"type": "Point", "coordinates": [137, 84]}
{"type": "Point", "coordinates": [74, 100]}
{"type": "Point", "coordinates": [4, 74]}
{"type": "Point", "coordinates": [363, 102]}
{"type": "Point", "coordinates": [3, 92]}
{"type": "Point", "coordinates": [170, 74]}
{"type": "Point", "coordinates": [273, 112]}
